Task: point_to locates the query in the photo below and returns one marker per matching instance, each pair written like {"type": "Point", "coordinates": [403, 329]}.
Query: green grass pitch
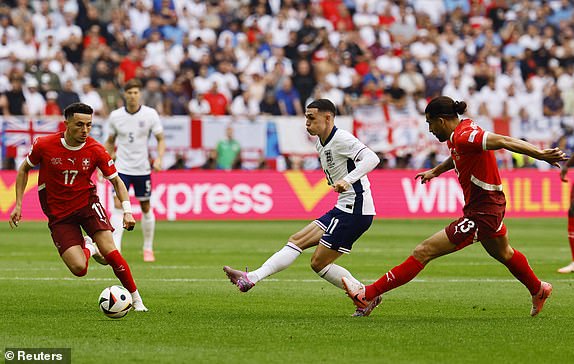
{"type": "Point", "coordinates": [463, 308]}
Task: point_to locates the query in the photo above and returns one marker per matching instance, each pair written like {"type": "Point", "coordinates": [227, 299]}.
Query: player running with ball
{"type": "Point", "coordinates": [473, 160]}
{"type": "Point", "coordinates": [68, 197]}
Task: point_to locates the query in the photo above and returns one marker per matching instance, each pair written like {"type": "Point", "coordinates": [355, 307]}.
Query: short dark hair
{"type": "Point", "coordinates": [77, 107]}
{"type": "Point", "coordinates": [133, 83]}
{"type": "Point", "coordinates": [445, 106]}
{"type": "Point", "coordinates": [323, 105]}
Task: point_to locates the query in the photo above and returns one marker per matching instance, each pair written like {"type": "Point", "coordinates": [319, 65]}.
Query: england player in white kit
{"type": "Point", "coordinates": [346, 162]}
{"type": "Point", "coordinates": [130, 129]}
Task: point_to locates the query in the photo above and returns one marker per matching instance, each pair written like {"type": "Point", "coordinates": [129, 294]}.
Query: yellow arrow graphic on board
{"type": "Point", "coordinates": [7, 194]}
{"type": "Point", "coordinates": [308, 194]}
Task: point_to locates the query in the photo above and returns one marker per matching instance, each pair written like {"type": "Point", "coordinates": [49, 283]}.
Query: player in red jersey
{"type": "Point", "coordinates": [68, 197]}
{"type": "Point", "coordinates": [473, 159]}
{"type": "Point", "coordinates": [563, 172]}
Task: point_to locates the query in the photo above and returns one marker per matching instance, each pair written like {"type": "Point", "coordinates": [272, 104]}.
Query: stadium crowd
{"type": "Point", "coordinates": [252, 57]}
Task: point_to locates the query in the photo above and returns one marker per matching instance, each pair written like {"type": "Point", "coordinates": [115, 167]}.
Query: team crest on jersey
{"type": "Point", "coordinates": [329, 158]}
{"type": "Point", "coordinates": [455, 154]}
{"type": "Point", "coordinates": [142, 123]}
{"type": "Point", "coordinates": [86, 164]}
{"type": "Point", "coordinates": [56, 161]}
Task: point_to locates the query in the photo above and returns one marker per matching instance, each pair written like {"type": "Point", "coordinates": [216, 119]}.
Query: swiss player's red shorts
{"type": "Point", "coordinates": [67, 231]}
{"type": "Point", "coordinates": [475, 226]}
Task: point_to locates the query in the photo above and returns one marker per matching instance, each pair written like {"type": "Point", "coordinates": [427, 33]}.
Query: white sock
{"type": "Point", "coordinates": [136, 296]}
{"type": "Point", "coordinates": [90, 245]}
{"type": "Point", "coordinates": [117, 221]}
{"type": "Point", "coordinates": [333, 274]}
{"type": "Point", "coordinates": [148, 229]}
{"type": "Point", "coordinates": [276, 263]}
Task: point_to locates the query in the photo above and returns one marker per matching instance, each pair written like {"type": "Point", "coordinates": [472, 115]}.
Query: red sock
{"type": "Point", "coordinates": [519, 267]}
{"type": "Point", "coordinates": [121, 270]}
{"type": "Point", "coordinates": [397, 276]}
{"type": "Point", "coordinates": [571, 234]}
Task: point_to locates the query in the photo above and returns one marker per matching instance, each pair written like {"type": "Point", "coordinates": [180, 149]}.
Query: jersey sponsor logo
{"type": "Point", "coordinates": [72, 160]}
{"type": "Point", "coordinates": [56, 161]}
{"type": "Point", "coordinates": [86, 164]}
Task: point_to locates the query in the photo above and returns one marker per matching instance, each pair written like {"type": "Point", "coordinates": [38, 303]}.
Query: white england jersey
{"type": "Point", "coordinates": [338, 157]}
{"type": "Point", "coordinates": [132, 133]}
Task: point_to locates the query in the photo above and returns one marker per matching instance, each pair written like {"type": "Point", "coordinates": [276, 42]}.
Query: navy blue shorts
{"type": "Point", "coordinates": [342, 229]}
{"type": "Point", "coordinates": [142, 185]}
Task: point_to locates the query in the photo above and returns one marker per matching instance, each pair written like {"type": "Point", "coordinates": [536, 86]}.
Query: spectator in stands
{"type": "Point", "coordinates": [110, 95]}
{"type": "Point", "coordinates": [329, 90]}
{"type": "Point", "coordinates": [553, 105]}
{"type": "Point", "coordinates": [67, 95]}
{"type": "Point", "coordinates": [175, 100]}
{"type": "Point", "coordinates": [88, 95]}
{"type": "Point", "coordinates": [373, 94]}
{"type": "Point", "coordinates": [396, 95]}
{"type": "Point", "coordinates": [269, 104]}
{"type": "Point", "coordinates": [244, 105]}
{"type": "Point", "coordinates": [353, 94]}
{"type": "Point", "coordinates": [434, 83]}
{"type": "Point", "coordinates": [70, 37]}
{"type": "Point", "coordinates": [93, 43]}
{"type": "Point", "coordinates": [227, 82]}
{"type": "Point", "coordinates": [256, 87]}
{"type": "Point", "coordinates": [198, 105]}
{"type": "Point", "coordinates": [35, 102]}
{"type": "Point", "coordinates": [48, 48]}
{"type": "Point", "coordinates": [13, 102]}
{"type": "Point", "coordinates": [228, 151]}
{"type": "Point", "coordinates": [288, 99]}
{"type": "Point", "coordinates": [152, 95]}
{"type": "Point", "coordinates": [411, 80]}
{"type": "Point", "coordinates": [218, 103]}
{"type": "Point", "coordinates": [129, 66]}
{"type": "Point", "coordinates": [202, 83]}
{"type": "Point", "coordinates": [52, 108]}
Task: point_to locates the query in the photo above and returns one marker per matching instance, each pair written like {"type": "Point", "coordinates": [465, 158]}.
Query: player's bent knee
{"type": "Point", "coordinates": [78, 270]}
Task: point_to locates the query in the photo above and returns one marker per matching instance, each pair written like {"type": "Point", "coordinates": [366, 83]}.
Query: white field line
{"type": "Point", "coordinates": [210, 267]}
{"type": "Point", "coordinates": [416, 280]}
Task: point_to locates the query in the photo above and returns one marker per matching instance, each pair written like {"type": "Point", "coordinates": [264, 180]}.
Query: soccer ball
{"type": "Point", "coordinates": [115, 301]}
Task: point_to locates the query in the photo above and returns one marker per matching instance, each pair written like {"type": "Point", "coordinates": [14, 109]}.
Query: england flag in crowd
{"type": "Point", "coordinates": [19, 132]}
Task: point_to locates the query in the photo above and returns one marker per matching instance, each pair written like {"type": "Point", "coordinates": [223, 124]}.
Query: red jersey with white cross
{"type": "Point", "coordinates": [476, 168]}
{"type": "Point", "coordinates": [66, 171]}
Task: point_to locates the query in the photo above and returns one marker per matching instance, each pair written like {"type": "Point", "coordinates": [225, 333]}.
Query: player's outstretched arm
{"type": "Point", "coordinates": [122, 193]}
{"type": "Point", "coordinates": [21, 182]}
{"type": "Point", "coordinates": [426, 176]}
{"type": "Point", "coordinates": [551, 156]}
